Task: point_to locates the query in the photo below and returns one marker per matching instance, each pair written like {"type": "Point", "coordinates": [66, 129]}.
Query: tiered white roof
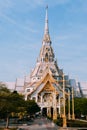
{"type": "Point", "coordinates": [46, 57]}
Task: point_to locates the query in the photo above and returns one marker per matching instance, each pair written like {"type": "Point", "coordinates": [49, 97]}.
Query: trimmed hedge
{"type": "Point", "coordinates": [71, 123]}
{"type": "Point", "coordinates": [76, 123]}
{"type": "Point", "coordinates": [8, 129]}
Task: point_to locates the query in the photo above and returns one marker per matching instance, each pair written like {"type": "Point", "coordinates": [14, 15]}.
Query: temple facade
{"type": "Point", "coordinates": [47, 84]}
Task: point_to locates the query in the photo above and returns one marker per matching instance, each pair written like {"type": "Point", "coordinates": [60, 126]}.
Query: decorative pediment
{"type": "Point", "coordinates": [48, 77]}
{"type": "Point", "coordinates": [47, 83]}
{"type": "Point", "coordinates": [48, 87]}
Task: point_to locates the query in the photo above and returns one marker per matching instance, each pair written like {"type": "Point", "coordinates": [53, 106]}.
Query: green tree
{"type": "Point", "coordinates": [9, 102]}
{"type": "Point", "coordinates": [3, 89]}
{"type": "Point", "coordinates": [32, 107]}
{"type": "Point", "coordinates": [12, 102]}
{"type": "Point", "coordinates": [80, 106]}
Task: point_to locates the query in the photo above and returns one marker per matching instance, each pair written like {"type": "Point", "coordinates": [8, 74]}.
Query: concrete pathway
{"type": "Point", "coordinates": [40, 124]}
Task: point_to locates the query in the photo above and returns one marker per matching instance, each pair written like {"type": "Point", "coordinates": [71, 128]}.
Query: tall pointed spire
{"type": "Point", "coordinates": [46, 22]}
{"type": "Point", "coordinates": [46, 37]}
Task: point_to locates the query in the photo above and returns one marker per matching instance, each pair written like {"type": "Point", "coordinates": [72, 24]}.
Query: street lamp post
{"type": "Point", "coordinates": [64, 113]}
{"type": "Point", "coordinates": [69, 105]}
{"type": "Point", "coordinates": [73, 115]}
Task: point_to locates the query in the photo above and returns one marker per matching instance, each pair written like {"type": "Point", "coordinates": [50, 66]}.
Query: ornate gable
{"type": "Point", "coordinates": [48, 77]}
{"type": "Point", "coordinates": [48, 87]}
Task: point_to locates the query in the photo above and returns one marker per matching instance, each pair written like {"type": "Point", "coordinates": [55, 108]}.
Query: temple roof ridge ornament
{"type": "Point", "coordinates": [46, 37]}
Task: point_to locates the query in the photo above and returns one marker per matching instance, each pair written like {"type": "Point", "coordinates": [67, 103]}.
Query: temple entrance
{"type": "Point", "coordinates": [44, 111]}
{"type": "Point", "coordinates": [51, 112]}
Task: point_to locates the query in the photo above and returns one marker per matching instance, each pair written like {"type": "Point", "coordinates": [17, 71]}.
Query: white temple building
{"type": "Point", "coordinates": [47, 84]}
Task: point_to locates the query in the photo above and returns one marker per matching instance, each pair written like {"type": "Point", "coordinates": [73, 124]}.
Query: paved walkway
{"type": "Point", "coordinates": [46, 124]}
{"type": "Point", "coordinates": [41, 123]}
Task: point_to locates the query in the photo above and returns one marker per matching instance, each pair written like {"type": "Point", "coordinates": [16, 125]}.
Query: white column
{"type": "Point", "coordinates": [36, 97]}
{"type": "Point", "coordinates": [54, 106]}
{"type": "Point", "coordinates": [49, 112]}
{"type": "Point", "coordinates": [41, 98]}
{"type": "Point", "coordinates": [26, 97]}
{"type": "Point", "coordinates": [59, 105]}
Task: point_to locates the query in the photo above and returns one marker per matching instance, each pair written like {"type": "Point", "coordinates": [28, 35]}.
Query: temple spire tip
{"type": "Point", "coordinates": [46, 6]}
{"type": "Point", "coordinates": [46, 30]}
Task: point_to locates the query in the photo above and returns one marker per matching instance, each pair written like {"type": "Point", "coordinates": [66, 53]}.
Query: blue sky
{"type": "Point", "coordinates": [22, 29]}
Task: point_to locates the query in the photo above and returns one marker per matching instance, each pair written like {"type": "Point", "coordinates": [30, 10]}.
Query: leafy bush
{"type": "Point", "coordinates": [59, 121]}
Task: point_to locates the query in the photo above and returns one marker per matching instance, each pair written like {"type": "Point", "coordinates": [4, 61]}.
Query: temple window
{"type": "Point", "coordinates": [28, 90]}
{"type": "Point", "coordinates": [41, 71]}
{"type": "Point", "coordinates": [28, 97]}
{"type": "Point", "coordinates": [48, 49]}
{"type": "Point", "coordinates": [34, 98]}
{"type": "Point", "coordinates": [46, 57]}
{"type": "Point", "coordinates": [39, 98]}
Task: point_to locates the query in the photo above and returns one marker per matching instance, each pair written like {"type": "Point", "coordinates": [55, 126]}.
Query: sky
{"type": "Point", "coordinates": [22, 29]}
